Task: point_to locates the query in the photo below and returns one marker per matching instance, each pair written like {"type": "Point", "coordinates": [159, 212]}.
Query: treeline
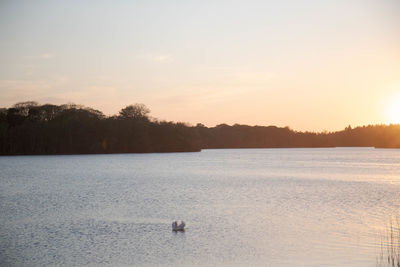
{"type": "Point", "coordinates": [30, 128]}
{"type": "Point", "coordinates": [243, 136]}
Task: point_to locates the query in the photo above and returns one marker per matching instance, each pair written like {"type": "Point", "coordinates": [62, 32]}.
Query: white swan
{"type": "Point", "coordinates": [180, 227]}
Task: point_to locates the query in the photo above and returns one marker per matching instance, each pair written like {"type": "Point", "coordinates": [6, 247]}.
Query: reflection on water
{"type": "Point", "coordinates": [274, 207]}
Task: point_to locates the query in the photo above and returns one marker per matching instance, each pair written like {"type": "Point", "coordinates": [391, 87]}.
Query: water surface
{"type": "Point", "coordinates": [258, 207]}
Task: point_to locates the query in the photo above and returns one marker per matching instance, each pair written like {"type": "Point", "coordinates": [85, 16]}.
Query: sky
{"type": "Point", "coordinates": [310, 65]}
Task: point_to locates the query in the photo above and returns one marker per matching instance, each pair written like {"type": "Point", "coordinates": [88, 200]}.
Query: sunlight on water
{"type": "Point", "coordinates": [259, 207]}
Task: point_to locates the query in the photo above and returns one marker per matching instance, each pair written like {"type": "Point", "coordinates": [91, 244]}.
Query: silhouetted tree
{"type": "Point", "coordinates": [24, 107]}
{"type": "Point", "coordinates": [136, 111]}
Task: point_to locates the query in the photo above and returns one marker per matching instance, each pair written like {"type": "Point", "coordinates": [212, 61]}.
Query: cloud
{"type": "Point", "coordinates": [243, 76]}
{"type": "Point", "coordinates": [44, 56]}
{"type": "Point", "coordinates": [156, 57]}
{"type": "Point", "coordinates": [12, 91]}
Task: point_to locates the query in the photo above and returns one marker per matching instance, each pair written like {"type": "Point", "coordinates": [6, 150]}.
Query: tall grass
{"type": "Point", "coordinates": [390, 246]}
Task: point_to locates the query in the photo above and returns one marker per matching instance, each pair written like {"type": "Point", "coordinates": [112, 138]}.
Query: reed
{"type": "Point", "coordinates": [390, 246]}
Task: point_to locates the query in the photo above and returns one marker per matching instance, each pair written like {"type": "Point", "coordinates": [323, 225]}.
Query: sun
{"type": "Point", "coordinates": [393, 109]}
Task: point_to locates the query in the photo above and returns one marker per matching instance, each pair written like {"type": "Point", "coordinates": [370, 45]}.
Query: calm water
{"type": "Point", "coordinates": [258, 207]}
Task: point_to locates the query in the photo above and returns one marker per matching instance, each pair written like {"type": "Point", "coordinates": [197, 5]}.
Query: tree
{"type": "Point", "coordinates": [23, 107]}
{"type": "Point", "coordinates": [136, 111]}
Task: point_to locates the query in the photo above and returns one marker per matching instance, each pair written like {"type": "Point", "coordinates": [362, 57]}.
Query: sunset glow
{"type": "Point", "coordinates": [311, 65]}
{"type": "Point", "coordinates": [393, 109]}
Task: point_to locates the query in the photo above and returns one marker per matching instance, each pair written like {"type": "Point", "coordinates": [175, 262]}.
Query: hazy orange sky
{"type": "Point", "coordinates": [310, 65]}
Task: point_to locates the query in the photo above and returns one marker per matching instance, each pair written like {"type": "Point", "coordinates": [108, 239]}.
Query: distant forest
{"type": "Point", "coordinates": [29, 128]}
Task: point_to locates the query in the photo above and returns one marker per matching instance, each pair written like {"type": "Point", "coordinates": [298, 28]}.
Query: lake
{"type": "Point", "coordinates": [242, 207]}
